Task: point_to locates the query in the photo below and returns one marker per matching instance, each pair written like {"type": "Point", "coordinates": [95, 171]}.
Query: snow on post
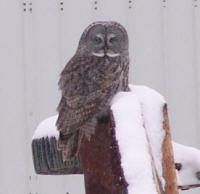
{"type": "Point", "coordinates": [133, 144]}
{"type": "Point", "coordinates": [47, 128]}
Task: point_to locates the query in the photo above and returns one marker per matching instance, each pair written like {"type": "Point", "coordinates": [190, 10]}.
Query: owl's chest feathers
{"type": "Point", "coordinates": [100, 74]}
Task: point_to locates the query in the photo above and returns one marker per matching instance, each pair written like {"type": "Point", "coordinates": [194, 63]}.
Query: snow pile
{"type": "Point", "coordinates": [190, 160]}
{"type": "Point", "coordinates": [47, 128]}
{"type": "Point", "coordinates": [152, 104]}
{"type": "Point", "coordinates": [132, 111]}
{"type": "Point", "coordinates": [133, 145]}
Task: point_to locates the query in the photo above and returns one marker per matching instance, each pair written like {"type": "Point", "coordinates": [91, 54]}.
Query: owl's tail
{"type": "Point", "coordinates": [69, 145]}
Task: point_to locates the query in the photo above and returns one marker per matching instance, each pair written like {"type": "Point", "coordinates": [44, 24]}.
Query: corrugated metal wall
{"type": "Point", "coordinates": [38, 37]}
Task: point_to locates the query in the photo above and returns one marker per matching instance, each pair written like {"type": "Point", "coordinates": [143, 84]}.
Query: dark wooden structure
{"type": "Point", "coordinates": [100, 161]}
{"type": "Point", "coordinates": [48, 160]}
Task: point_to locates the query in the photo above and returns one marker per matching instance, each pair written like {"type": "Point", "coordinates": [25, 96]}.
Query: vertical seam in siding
{"type": "Point", "coordinates": [196, 71]}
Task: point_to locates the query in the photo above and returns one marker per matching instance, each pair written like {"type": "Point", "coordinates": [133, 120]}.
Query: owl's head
{"type": "Point", "coordinates": [104, 39]}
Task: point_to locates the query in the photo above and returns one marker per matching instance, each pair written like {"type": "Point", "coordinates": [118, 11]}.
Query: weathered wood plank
{"type": "Point", "coordinates": [48, 160]}
{"type": "Point", "coordinates": [35, 159]}
{"type": "Point", "coordinates": [168, 164]}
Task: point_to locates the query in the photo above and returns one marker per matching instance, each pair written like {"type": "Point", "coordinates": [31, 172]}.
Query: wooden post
{"type": "Point", "coordinates": [101, 162]}
{"type": "Point", "coordinates": [168, 164]}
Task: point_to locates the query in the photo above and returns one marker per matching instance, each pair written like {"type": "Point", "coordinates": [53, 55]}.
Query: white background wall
{"type": "Point", "coordinates": [37, 38]}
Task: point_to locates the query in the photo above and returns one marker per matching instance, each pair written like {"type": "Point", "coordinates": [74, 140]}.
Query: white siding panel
{"type": "Point", "coordinates": [181, 91]}
{"type": "Point", "coordinates": [13, 138]}
{"type": "Point", "coordinates": [41, 65]}
{"type": "Point", "coordinates": [45, 62]}
{"type": "Point", "coordinates": [197, 64]}
{"type": "Point", "coordinates": [146, 35]}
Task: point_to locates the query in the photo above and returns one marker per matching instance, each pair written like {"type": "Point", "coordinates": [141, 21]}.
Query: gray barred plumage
{"type": "Point", "coordinates": [98, 70]}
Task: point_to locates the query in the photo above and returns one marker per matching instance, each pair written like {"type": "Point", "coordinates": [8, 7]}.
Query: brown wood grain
{"type": "Point", "coordinates": [169, 172]}
{"type": "Point", "coordinates": [101, 163]}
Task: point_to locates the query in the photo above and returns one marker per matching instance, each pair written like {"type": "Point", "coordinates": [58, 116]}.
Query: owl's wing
{"type": "Point", "coordinates": [71, 119]}
{"type": "Point", "coordinates": [77, 104]}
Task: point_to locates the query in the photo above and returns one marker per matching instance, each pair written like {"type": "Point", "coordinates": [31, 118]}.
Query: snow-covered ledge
{"type": "Point", "coordinates": [139, 131]}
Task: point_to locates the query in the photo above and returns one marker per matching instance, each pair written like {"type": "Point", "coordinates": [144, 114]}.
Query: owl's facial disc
{"type": "Point", "coordinates": [115, 41]}
{"type": "Point", "coordinates": [111, 40]}
{"type": "Point", "coordinates": [103, 40]}
{"type": "Point", "coordinates": [96, 40]}
{"type": "Point", "coordinates": [99, 43]}
{"type": "Point", "coordinates": [107, 48]}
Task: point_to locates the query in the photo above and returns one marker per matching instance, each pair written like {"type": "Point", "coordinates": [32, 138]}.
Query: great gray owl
{"type": "Point", "coordinates": [97, 71]}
